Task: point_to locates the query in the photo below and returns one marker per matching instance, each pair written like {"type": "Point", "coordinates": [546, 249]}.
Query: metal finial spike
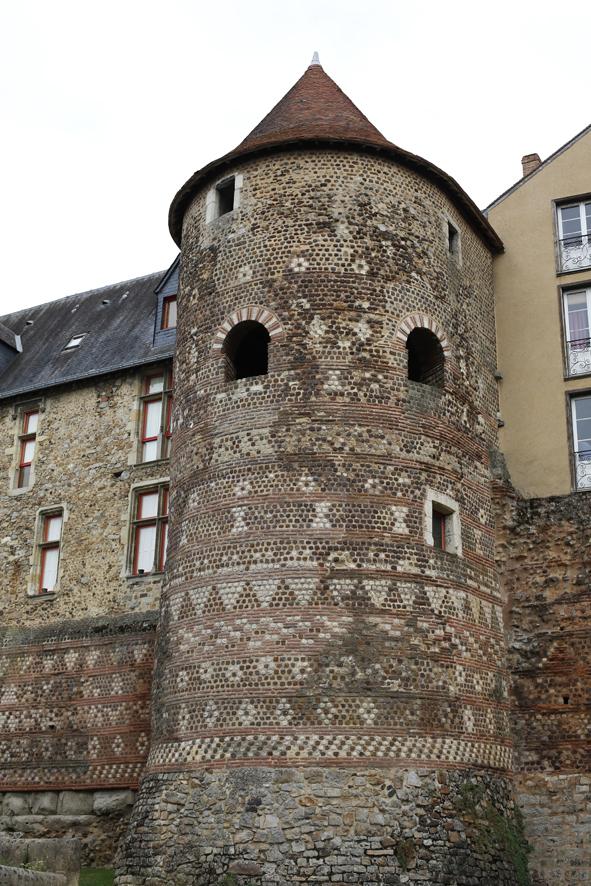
{"type": "Point", "coordinates": [315, 59]}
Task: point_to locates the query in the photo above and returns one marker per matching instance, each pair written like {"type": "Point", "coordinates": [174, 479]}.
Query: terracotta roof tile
{"type": "Point", "coordinates": [315, 107]}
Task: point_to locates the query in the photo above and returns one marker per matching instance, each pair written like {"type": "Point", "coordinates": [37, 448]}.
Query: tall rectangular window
{"type": "Point", "coordinates": [438, 524]}
{"type": "Point", "coordinates": [156, 416]}
{"type": "Point", "coordinates": [27, 445]}
{"type": "Point", "coordinates": [581, 418]}
{"type": "Point", "coordinates": [574, 232]}
{"type": "Point", "coordinates": [149, 530]}
{"type": "Point", "coordinates": [577, 312]}
{"type": "Point", "coordinates": [168, 312]}
{"type": "Point", "coordinates": [50, 537]}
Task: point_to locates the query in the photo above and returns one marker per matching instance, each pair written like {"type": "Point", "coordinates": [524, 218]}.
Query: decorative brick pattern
{"type": "Point", "coordinates": [305, 621]}
{"type": "Point", "coordinates": [77, 697]}
{"type": "Point", "coordinates": [252, 312]}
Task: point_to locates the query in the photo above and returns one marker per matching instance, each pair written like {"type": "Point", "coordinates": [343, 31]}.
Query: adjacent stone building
{"type": "Point", "coordinates": [363, 646]}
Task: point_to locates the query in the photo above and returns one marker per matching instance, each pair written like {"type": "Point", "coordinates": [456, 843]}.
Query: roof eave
{"type": "Point", "coordinates": [464, 203]}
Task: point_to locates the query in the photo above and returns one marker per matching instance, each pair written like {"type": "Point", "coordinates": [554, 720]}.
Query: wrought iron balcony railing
{"type": "Point", "coordinates": [579, 355]}
{"type": "Point", "coordinates": [575, 252]}
{"type": "Point", "coordinates": [583, 468]}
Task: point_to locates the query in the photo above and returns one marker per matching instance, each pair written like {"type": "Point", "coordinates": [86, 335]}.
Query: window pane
{"type": "Point", "coordinates": [164, 506]}
{"type": "Point", "coordinates": [578, 318]}
{"type": "Point", "coordinates": [30, 423]}
{"type": "Point", "coordinates": [145, 540]}
{"type": "Point", "coordinates": [583, 408]}
{"type": "Point", "coordinates": [155, 384]}
{"type": "Point", "coordinates": [24, 476]}
{"type": "Point", "coordinates": [53, 528]}
{"type": "Point", "coordinates": [169, 319]}
{"type": "Point", "coordinates": [147, 505]}
{"type": "Point", "coordinates": [28, 451]}
{"type": "Point", "coordinates": [49, 564]}
{"type": "Point", "coordinates": [588, 216]}
{"type": "Point", "coordinates": [164, 543]}
{"type": "Point", "coordinates": [152, 418]}
{"type": "Point", "coordinates": [571, 221]}
{"type": "Point", "coordinates": [150, 451]}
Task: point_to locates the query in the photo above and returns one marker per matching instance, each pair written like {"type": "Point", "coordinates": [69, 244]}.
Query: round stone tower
{"type": "Point", "coordinates": [330, 700]}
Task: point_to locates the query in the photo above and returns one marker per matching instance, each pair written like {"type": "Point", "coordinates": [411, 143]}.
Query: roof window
{"type": "Point", "coordinates": [75, 341]}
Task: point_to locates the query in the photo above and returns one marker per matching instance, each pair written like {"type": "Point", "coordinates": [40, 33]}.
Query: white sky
{"type": "Point", "coordinates": [108, 107]}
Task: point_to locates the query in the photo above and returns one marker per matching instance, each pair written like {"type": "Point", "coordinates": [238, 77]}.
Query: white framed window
{"type": "Point", "coordinates": [156, 415]}
{"type": "Point", "coordinates": [149, 529]}
{"type": "Point", "coordinates": [577, 316]}
{"type": "Point", "coordinates": [574, 235]}
{"type": "Point", "coordinates": [47, 560]}
{"type": "Point", "coordinates": [581, 425]}
{"type": "Point", "coordinates": [442, 522]}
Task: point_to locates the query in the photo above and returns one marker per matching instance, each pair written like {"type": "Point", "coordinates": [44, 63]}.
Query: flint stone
{"type": "Point", "coordinates": [245, 869]}
{"type": "Point", "coordinates": [17, 804]}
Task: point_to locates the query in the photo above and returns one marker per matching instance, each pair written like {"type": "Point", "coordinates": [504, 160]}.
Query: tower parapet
{"type": "Point", "coordinates": [330, 700]}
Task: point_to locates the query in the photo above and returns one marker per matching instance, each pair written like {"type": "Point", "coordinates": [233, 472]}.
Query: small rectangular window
{"type": "Point", "coordinates": [453, 239]}
{"type": "Point", "coordinates": [225, 196]}
{"type": "Point", "coordinates": [169, 312]}
{"type": "Point", "coordinates": [75, 341]}
{"type": "Point", "coordinates": [581, 419]}
{"type": "Point", "coordinates": [577, 316]}
{"type": "Point", "coordinates": [49, 544]}
{"type": "Point", "coordinates": [149, 530]}
{"type": "Point", "coordinates": [439, 529]}
{"type": "Point", "coordinates": [156, 416]}
{"type": "Point", "coordinates": [27, 445]}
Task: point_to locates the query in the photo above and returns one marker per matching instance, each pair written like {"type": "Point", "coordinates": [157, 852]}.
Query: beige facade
{"type": "Point", "coordinates": [537, 268]}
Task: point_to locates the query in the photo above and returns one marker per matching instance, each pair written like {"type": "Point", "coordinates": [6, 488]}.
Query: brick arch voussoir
{"type": "Point", "coordinates": [258, 313]}
{"type": "Point", "coordinates": [422, 321]}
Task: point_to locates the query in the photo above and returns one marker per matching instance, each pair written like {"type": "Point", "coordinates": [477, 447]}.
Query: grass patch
{"type": "Point", "coordinates": [96, 877]}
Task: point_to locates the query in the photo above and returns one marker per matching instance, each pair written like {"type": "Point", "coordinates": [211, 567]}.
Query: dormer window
{"type": "Point", "coordinates": [169, 312]}
{"type": "Point", "coordinates": [75, 341]}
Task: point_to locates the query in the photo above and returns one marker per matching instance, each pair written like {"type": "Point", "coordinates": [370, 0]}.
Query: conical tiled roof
{"type": "Point", "coordinates": [316, 111]}
{"type": "Point", "coordinates": [315, 107]}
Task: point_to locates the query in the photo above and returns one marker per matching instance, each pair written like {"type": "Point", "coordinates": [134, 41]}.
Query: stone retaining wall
{"type": "Point", "coordinates": [21, 877]}
{"type": "Point", "coordinates": [98, 819]}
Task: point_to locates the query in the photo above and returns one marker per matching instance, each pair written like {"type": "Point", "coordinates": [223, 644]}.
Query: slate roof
{"type": "Point", "coordinates": [118, 320]}
{"type": "Point", "coordinates": [316, 111]}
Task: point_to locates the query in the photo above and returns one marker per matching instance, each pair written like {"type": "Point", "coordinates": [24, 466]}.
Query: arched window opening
{"type": "Point", "coordinates": [426, 359]}
{"type": "Point", "coordinates": [246, 348]}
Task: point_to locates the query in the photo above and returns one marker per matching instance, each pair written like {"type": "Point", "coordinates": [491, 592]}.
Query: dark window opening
{"type": "Point", "coordinates": [439, 519]}
{"type": "Point", "coordinates": [425, 358]}
{"type": "Point", "coordinates": [453, 239]}
{"type": "Point", "coordinates": [225, 196]}
{"type": "Point", "coordinates": [247, 350]}
{"type": "Point", "coordinates": [565, 699]}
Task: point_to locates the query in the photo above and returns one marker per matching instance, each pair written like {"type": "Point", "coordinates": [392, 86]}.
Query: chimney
{"type": "Point", "coordinates": [529, 162]}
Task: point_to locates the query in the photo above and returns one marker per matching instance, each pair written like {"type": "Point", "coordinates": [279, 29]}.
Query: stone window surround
{"type": "Point", "coordinates": [18, 412]}
{"type": "Point", "coordinates": [453, 526]}
{"type": "Point", "coordinates": [35, 559]}
{"type": "Point", "coordinates": [212, 199]}
{"type": "Point", "coordinates": [127, 532]}
{"type": "Point", "coordinates": [134, 457]}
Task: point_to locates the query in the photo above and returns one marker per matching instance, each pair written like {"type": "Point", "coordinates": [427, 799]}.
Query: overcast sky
{"type": "Point", "coordinates": [108, 107]}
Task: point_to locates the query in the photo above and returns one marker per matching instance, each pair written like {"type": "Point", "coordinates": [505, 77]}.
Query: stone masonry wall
{"type": "Point", "coordinates": [306, 621]}
{"type": "Point", "coordinates": [86, 462]}
{"type": "Point", "coordinates": [544, 554]}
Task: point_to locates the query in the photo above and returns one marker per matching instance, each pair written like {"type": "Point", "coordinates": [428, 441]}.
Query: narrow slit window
{"type": "Point", "coordinates": [426, 360]}
{"type": "Point", "coordinates": [439, 520]}
{"type": "Point", "coordinates": [225, 193]}
{"type": "Point", "coordinates": [27, 446]}
{"type": "Point", "coordinates": [150, 530]}
{"type": "Point", "coordinates": [169, 312]}
{"type": "Point", "coordinates": [453, 239]}
{"type": "Point", "coordinates": [156, 416]}
{"type": "Point", "coordinates": [49, 551]}
{"type": "Point", "coordinates": [246, 349]}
